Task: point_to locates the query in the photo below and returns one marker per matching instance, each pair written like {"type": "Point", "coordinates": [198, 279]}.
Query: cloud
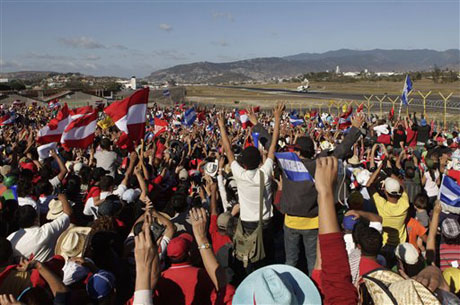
{"type": "Point", "coordinates": [120, 47]}
{"type": "Point", "coordinates": [10, 64]}
{"type": "Point", "coordinates": [91, 57]}
{"type": "Point", "coordinates": [166, 27]}
{"type": "Point", "coordinates": [223, 15]}
{"type": "Point", "coordinates": [220, 43]}
{"type": "Point", "coordinates": [46, 56]}
{"type": "Point", "coordinates": [82, 42]}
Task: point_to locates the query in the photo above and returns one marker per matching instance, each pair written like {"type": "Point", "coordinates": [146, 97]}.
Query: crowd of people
{"type": "Point", "coordinates": [331, 210]}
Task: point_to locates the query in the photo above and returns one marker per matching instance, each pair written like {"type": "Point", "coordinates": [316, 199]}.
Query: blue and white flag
{"type": "Point", "coordinates": [295, 121]}
{"type": "Point", "coordinates": [166, 92]}
{"type": "Point", "coordinates": [189, 117]}
{"type": "Point", "coordinates": [320, 122]}
{"type": "Point", "coordinates": [449, 194]}
{"type": "Point", "coordinates": [293, 167]}
{"type": "Point", "coordinates": [407, 88]}
{"type": "Point", "coordinates": [255, 139]}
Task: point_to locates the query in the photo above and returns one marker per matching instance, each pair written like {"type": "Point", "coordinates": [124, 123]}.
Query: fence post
{"type": "Point", "coordinates": [368, 99]}
{"type": "Point", "coordinates": [380, 102]}
{"type": "Point", "coordinates": [424, 101]}
{"type": "Point", "coordinates": [445, 106]}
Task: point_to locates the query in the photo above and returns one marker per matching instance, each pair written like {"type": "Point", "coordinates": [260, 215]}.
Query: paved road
{"type": "Point", "coordinates": [433, 101]}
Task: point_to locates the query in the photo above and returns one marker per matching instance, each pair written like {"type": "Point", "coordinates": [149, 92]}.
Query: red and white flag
{"type": "Point", "coordinates": [81, 111]}
{"type": "Point", "coordinates": [129, 114]}
{"type": "Point", "coordinates": [7, 119]}
{"type": "Point", "coordinates": [244, 119]}
{"type": "Point", "coordinates": [80, 132]}
{"type": "Point", "coordinates": [160, 126]}
{"type": "Point", "coordinates": [53, 131]}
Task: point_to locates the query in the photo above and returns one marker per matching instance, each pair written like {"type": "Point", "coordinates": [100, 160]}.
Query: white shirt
{"type": "Point", "coordinates": [39, 241]}
{"type": "Point", "coordinates": [90, 208]}
{"type": "Point", "coordinates": [248, 184]}
{"type": "Point", "coordinates": [22, 201]}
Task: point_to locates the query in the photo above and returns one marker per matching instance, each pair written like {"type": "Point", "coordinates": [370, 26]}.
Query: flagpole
{"type": "Point", "coordinates": [400, 99]}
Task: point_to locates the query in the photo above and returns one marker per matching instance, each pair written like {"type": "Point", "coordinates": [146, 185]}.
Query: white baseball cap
{"type": "Point", "coordinates": [392, 186]}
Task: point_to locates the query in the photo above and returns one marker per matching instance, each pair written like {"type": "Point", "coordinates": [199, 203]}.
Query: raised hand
{"type": "Point", "coordinates": [278, 110]}
{"type": "Point", "coordinates": [198, 218]}
{"type": "Point", "coordinates": [326, 174]}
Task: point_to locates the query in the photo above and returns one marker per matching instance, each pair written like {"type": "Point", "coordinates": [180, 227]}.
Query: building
{"type": "Point", "coordinates": [129, 84]}
{"type": "Point", "coordinates": [75, 99]}
{"type": "Point", "coordinates": [337, 70]}
{"type": "Point", "coordinates": [9, 99]}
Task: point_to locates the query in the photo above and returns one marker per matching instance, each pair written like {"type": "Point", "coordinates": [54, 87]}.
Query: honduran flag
{"type": "Point", "coordinates": [345, 119]}
{"type": "Point", "coordinates": [244, 119]}
{"type": "Point", "coordinates": [406, 90]}
{"type": "Point", "coordinates": [189, 116]}
{"type": "Point", "coordinates": [293, 167]}
{"type": "Point", "coordinates": [7, 119]}
{"type": "Point", "coordinates": [80, 132]}
{"type": "Point", "coordinates": [129, 114]}
{"type": "Point", "coordinates": [55, 128]}
{"type": "Point", "coordinates": [166, 92]}
{"type": "Point", "coordinates": [449, 195]}
{"type": "Point", "coordinates": [295, 121]}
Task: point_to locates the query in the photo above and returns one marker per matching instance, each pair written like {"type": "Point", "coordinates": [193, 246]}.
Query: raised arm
{"type": "Point", "coordinates": [225, 140]}
{"type": "Point", "coordinates": [62, 168]}
{"type": "Point", "coordinates": [433, 229]}
{"type": "Point", "coordinates": [277, 112]}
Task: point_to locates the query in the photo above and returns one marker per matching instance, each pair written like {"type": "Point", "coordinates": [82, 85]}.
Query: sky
{"type": "Point", "coordinates": [124, 38]}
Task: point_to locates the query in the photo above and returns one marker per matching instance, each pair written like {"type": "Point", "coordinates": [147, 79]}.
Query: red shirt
{"type": "Point", "coordinates": [411, 137]}
{"type": "Point", "coordinates": [183, 284]}
{"type": "Point", "coordinates": [217, 239]}
{"type": "Point", "coordinates": [367, 265]}
{"type": "Point", "coordinates": [335, 274]}
{"type": "Point", "coordinates": [448, 254]}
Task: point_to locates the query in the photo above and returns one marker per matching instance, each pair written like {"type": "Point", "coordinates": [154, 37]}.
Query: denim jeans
{"type": "Point", "coordinates": [292, 239]}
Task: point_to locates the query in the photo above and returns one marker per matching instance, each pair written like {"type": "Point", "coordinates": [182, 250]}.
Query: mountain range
{"type": "Point", "coordinates": [376, 60]}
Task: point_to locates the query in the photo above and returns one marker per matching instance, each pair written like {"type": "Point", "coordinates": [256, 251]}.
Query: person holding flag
{"type": "Point", "coordinates": [405, 93]}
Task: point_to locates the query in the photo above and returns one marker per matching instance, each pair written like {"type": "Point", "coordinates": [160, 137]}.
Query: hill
{"type": "Point", "coordinates": [276, 67]}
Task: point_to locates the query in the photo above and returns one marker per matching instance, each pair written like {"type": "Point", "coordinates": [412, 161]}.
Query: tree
{"type": "Point", "coordinates": [436, 74]}
{"type": "Point", "coordinates": [16, 84]}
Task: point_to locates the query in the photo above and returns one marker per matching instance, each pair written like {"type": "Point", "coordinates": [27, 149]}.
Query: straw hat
{"type": "Point", "coordinates": [55, 209]}
{"type": "Point", "coordinates": [72, 242]}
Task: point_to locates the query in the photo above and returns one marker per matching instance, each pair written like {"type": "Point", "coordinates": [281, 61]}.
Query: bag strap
{"type": "Point", "coordinates": [261, 195]}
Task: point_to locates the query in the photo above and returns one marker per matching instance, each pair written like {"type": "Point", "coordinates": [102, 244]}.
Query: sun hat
{"type": "Point", "coordinates": [72, 242]}
{"type": "Point", "coordinates": [392, 186]}
{"type": "Point", "coordinates": [100, 284]}
{"type": "Point", "coordinates": [179, 246]}
{"type": "Point", "coordinates": [354, 160]}
{"type": "Point", "coordinates": [5, 170]}
{"type": "Point", "coordinates": [452, 277]}
{"type": "Point", "coordinates": [407, 253]}
{"type": "Point", "coordinates": [223, 219]}
{"type": "Point", "coordinates": [77, 167]}
{"type": "Point", "coordinates": [277, 284]}
{"type": "Point", "coordinates": [55, 209]}
{"type": "Point", "coordinates": [363, 177]}
{"type": "Point", "coordinates": [130, 195]}
{"type": "Point", "coordinates": [450, 228]}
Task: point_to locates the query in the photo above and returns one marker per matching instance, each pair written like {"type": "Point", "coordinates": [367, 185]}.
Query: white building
{"type": "Point", "coordinates": [351, 74]}
{"type": "Point", "coordinates": [129, 84]}
{"type": "Point", "coordinates": [337, 70]}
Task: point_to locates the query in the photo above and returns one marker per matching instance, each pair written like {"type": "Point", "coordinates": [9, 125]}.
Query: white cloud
{"type": "Point", "coordinates": [120, 47]}
{"type": "Point", "coordinates": [223, 15]}
{"type": "Point", "coordinates": [165, 27]}
{"type": "Point", "coordinates": [170, 54]}
{"type": "Point", "coordinates": [91, 57]}
{"type": "Point", "coordinates": [82, 42]}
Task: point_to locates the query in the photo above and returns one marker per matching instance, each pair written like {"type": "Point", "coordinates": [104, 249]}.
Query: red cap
{"type": "Point", "coordinates": [28, 165]}
{"type": "Point", "coordinates": [179, 246]}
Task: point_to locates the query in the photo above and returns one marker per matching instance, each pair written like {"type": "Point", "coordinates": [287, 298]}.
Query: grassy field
{"type": "Point", "coordinates": [226, 97]}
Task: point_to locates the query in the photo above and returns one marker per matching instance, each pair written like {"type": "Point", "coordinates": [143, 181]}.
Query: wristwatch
{"type": "Point", "coordinates": [204, 246]}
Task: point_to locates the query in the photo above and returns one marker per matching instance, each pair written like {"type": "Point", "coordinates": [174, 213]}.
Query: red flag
{"type": "Point", "coordinates": [360, 108]}
{"type": "Point", "coordinates": [80, 132]}
{"type": "Point", "coordinates": [392, 113]}
{"type": "Point", "coordinates": [256, 109]}
{"type": "Point", "coordinates": [244, 119]}
{"type": "Point", "coordinates": [79, 112]}
{"type": "Point", "coordinates": [160, 126]}
{"type": "Point", "coordinates": [129, 114]}
{"type": "Point", "coordinates": [53, 131]}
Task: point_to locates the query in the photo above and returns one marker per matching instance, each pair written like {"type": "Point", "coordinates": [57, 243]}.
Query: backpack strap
{"type": "Point", "coordinates": [261, 195]}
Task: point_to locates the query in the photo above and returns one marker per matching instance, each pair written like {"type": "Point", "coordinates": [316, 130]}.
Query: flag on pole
{"type": "Point", "coordinates": [295, 121]}
{"type": "Point", "coordinates": [129, 114]}
{"type": "Point", "coordinates": [80, 132]}
{"type": "Point", "coordinates": [293, 167]}
{"type": "Point", "coordinates": [166, 92]}
{"type": "Point", "coordinates": [53, 131]}
{"type": "Point", "coordinates": [449, 194]}
{"type": "Point", "coordinates": [189, 116]}
{"type": "Point", "coordinates": [406, 89]}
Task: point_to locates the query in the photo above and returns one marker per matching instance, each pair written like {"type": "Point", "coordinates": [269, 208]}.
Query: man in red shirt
{"type": "Point", "coordinates": [182, 283]}
{"type": "Point", "coordinates": [218, 223]}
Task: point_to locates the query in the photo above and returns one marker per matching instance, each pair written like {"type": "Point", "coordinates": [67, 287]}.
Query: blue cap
{"type": "Point", "coordinates": [100, 284]}
{"type": "Point", "coordinates": [277, 284]}
{"type": "Point", "coordinates": [423, 122]}
{"type": "Point", "coordinates": [349, 222]}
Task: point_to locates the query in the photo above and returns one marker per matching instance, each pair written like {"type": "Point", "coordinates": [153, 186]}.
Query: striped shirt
{"type": "Point", "coordinates": [449, 254]}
